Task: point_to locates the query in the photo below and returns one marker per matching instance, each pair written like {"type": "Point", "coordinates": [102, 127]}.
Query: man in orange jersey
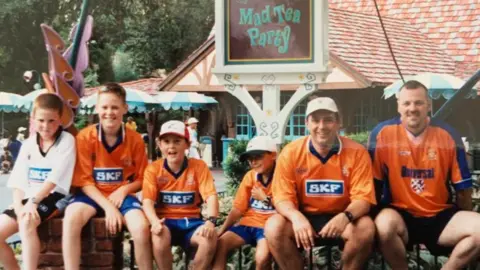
{"type": "Point", "coordinates": [173, 191]}
{"type": "Point", "coordinates": [252, 204]}
{"type": "Point", "coordinates": [322, 189]}
{"type": "Point", "coordinates": [109, 170]}
{"type": "Point", "coordinates": [417, 159]}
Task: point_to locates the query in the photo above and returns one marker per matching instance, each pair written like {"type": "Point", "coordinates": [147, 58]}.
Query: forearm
{"type": "Point", "coordinates": [133, 187]}
{"type": "Point", "coordinates": [46, 189]}
{"type": "Point", "coordinates": [358, 208]}
{"type": "Point", "coordinates": [232, 217]}
{"type": "Point", "coordinates": [18, 196]}
{"type": "Point", "coordinates": [288, 210]}
{"type": "Point", "coordinates": [149, 209]}
{"type": "Point", "coordinates": [464, 199]}
{"type": "Point", "coordinates": [212, 206]}
{"type": "Point", "coordinates": [92, 192]}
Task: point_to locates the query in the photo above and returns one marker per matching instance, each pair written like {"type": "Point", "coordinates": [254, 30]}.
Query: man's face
{"type": "Point", "coordinates": [323, 127]}
{"type": "Point", "coordinates": [413, 107]}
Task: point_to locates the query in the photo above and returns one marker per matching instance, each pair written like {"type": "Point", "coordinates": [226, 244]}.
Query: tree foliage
{"type": "Point", "coordinates": [144, 34]}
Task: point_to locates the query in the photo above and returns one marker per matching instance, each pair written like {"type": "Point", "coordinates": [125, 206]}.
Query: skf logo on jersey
{"type": "Point", "coordinates": [108, 175]}
{"type": "Point", "coordinates": [177, 198]}
{"type": "Point", "coordinates": [318, 188]}
{"type": "Point", "coordinates": [261, 207]}
{"type": "Point", "coordinates": [38, 175]}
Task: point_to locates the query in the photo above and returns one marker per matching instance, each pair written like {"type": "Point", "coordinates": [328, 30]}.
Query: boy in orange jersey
{"type": "Point", "coordinates": [173, 191]}
{"type": "Point", "coordinates": [417, 159]}
{"type": "Point", "coordinates": [322, 189]}
{"type": "Point", "coordinates": [111, 160]}
{"type": "Point", "coordinates": [252, 204]}
{"type": "Point", "coordinates": [40, 180]}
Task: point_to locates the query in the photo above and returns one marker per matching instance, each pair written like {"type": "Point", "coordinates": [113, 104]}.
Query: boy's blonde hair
{"type": "Point", "coordinates": [49, 101]}
{"type": "Point", "coordinates": [114, 88]}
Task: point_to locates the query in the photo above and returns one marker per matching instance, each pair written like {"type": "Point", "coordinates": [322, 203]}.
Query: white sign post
{"type": "Point", "coordinates": [270, 43]}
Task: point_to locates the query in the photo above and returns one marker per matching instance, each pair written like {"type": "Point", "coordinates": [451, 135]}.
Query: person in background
{"type": "Point", "coordinates": [21, 134]}
{"type": "Point", "coordinates": [6, 161]}
{"type": "Point", "coordinates": [192, 130]}
{"type": "Point", "coordinates": [131, 123]}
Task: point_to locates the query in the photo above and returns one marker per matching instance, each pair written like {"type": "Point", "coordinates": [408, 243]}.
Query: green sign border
{"type": "Point", "coordinates": [263, 61]}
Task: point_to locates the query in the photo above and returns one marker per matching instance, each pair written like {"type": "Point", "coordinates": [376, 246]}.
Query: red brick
{"type": "Point", "coordinates": [104, 245]}
{"type": "Point", "coordinates": [98, 259]}
{"type": "Point", "coordinates": [43, 247]}
{"type": "Point", "coordinates": [100, 231]}
{"type": "Point", "coordinates": [56, 227]}
{"type": "Point", "coordinates": [55, 245]}
{"type": "Point", "coordinates": [50, 259]}
{"type": "Point", "coordinates": [43, 231]}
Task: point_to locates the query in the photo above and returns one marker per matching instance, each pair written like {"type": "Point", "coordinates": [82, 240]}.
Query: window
{"type": "Point", "coordinates": [245, 125]}
{"type": "Point", "coordinates": [296, 124]}
{"type": "Point", "coordinates": [366, 115]}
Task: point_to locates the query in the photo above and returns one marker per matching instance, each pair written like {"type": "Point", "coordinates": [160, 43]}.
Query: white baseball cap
{"type": "Point", "coordinates": [192, 120]}
{"type": "Point", "coordinates": [21, 129]}
{"type": "Point", "coordinates": [321, 103]}
{"type": "Point", "coordinates": [259, 145]}
{"type": "Point", "coordinates": [176, 128]}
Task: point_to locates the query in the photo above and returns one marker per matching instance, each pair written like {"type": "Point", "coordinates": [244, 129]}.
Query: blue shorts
{"type": "Point", "coordinates": [181, 230]}
{"type": "Point", "coordinates": [251, 235]}
{"type": "Point", "coordinates": [129, 203]}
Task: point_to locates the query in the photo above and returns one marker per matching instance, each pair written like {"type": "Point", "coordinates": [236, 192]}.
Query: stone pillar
{"type": "Point", "coordinates": [99, 250]}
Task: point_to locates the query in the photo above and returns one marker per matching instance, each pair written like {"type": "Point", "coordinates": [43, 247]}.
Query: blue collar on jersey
{"type": "Point", "coordinates": [336, 147]}
{"type": "Point", "coordinates": [120, 137]}
{"type": "Point", "coordinates": [56, 135]}
{"type": "Point", "coordinates": [182, 169]}
{"type": "Point", "coordinates": [270, 177]}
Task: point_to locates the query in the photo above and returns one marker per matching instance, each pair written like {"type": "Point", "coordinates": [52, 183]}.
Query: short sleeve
{"type": "Point", "coordinates": [84, 166]}
{"type": "Point", "coordinates": [361, 180]}
{"type": "Point", "coordinates": [244, 192]}
{"type": "Point", "coordinates": [149, 186]}
{"type": "Point", "coordinates": [205, 181]}
{"type": "Point", "coordinates": [284, 182]}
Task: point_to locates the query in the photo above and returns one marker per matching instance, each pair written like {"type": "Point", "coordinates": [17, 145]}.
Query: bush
{"type": "Point", "coordinates": [233, 168]}
{"type": "Point", "coordinates": [361, 137]}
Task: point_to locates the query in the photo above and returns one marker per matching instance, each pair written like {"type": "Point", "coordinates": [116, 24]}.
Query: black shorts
{"type": "Point", "coordinates": [318, 222]}
{"type": "Point", "coordinates": [46, 208]}
{"type": "Point", "coordinates": [427, 230]}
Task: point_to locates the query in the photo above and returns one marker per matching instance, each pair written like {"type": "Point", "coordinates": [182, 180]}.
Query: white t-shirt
{"type": "Point", "coordinates": [32, 169]}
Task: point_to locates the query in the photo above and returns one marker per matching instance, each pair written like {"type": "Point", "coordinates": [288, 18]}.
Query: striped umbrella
{"type": "Point", "coordinates": [184, 100]}
{"type": "Point", "coordinates": [9, 102]}
{"type": "Point", "coordinates": [28, 99]}
{"type": "Point", "coordinates": [437, 84]}
{"type": "Point", "coordinates": [137, 101]}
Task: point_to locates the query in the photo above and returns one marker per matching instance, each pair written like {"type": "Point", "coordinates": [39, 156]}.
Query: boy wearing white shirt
{"type": "Point", "coordinates": [40, 178]}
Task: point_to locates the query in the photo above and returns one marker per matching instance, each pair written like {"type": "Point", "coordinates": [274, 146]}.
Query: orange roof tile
{"type": "Point", "coordinates": [358, 40]}
{"type": "Point", "coordinates": [453, 24]}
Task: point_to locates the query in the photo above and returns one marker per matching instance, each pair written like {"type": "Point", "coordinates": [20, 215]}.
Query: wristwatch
{"type": "Point", "coordinates": [349, 216]}
{"type": "Point", "coordinates": [33, 200]}
{"type": "Point", "coordinates": [267, 201]}
{"type": "Point", "coordinates": [212, 220]}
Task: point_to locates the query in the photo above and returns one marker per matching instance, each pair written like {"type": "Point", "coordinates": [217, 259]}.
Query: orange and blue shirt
{"type": "Point", "coordinates": [178, 195]}
{"type": "Point", "coordinates": [255, 212]}
{"type": "Point", "coordinates": [417, 172]}
{"type": "Point", "coordinates": [323, 185]}
{"type": "Point", "coordinates": [105, 167]}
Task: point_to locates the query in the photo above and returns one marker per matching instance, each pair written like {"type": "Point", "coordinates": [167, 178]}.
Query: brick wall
{"type": "Point", "coordinates": [99, 249]}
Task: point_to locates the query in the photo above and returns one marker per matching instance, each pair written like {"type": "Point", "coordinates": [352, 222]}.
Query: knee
{"type": "Point", "coordinates": [365, 230]}
{"type": "Point", "coordinates": [140, 232]}
{"type": "Point", "coordinates": [162, 242]}
{"type": "Point", "coordinates": [28, 226]}
{"type": "Point", "coordinates": [208, 243]}
{"type": "Point", "coordinates": [274, 227]}
{"type": "Point", "coordinates": [385, 225]}
{"type": "Point", "coordinates": [262, 257]}
{"type": "Point", "coordinates": [72, 221]}
{"type": "Point", "coordinates": [222, 246]}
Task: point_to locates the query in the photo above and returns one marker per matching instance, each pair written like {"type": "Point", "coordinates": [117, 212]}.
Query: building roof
{"type": "Point", "coordinates": [149, 85]}
{"type": "Point", "coordinates": [358, 40]}
{"type": "Point", "coordinates": [453, 24]}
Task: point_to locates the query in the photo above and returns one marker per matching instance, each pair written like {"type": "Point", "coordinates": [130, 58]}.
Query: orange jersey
{"type": "Point", "coordinates": [108, 168]}
{"type": "Point", "coordinates": [417, 175]}
{"type": "Point", "coordinates": [255, 213]}
{"type": "Point", "coordinates": [319, 185]}
{"type": "Point", "coordinates": [178, 196]}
